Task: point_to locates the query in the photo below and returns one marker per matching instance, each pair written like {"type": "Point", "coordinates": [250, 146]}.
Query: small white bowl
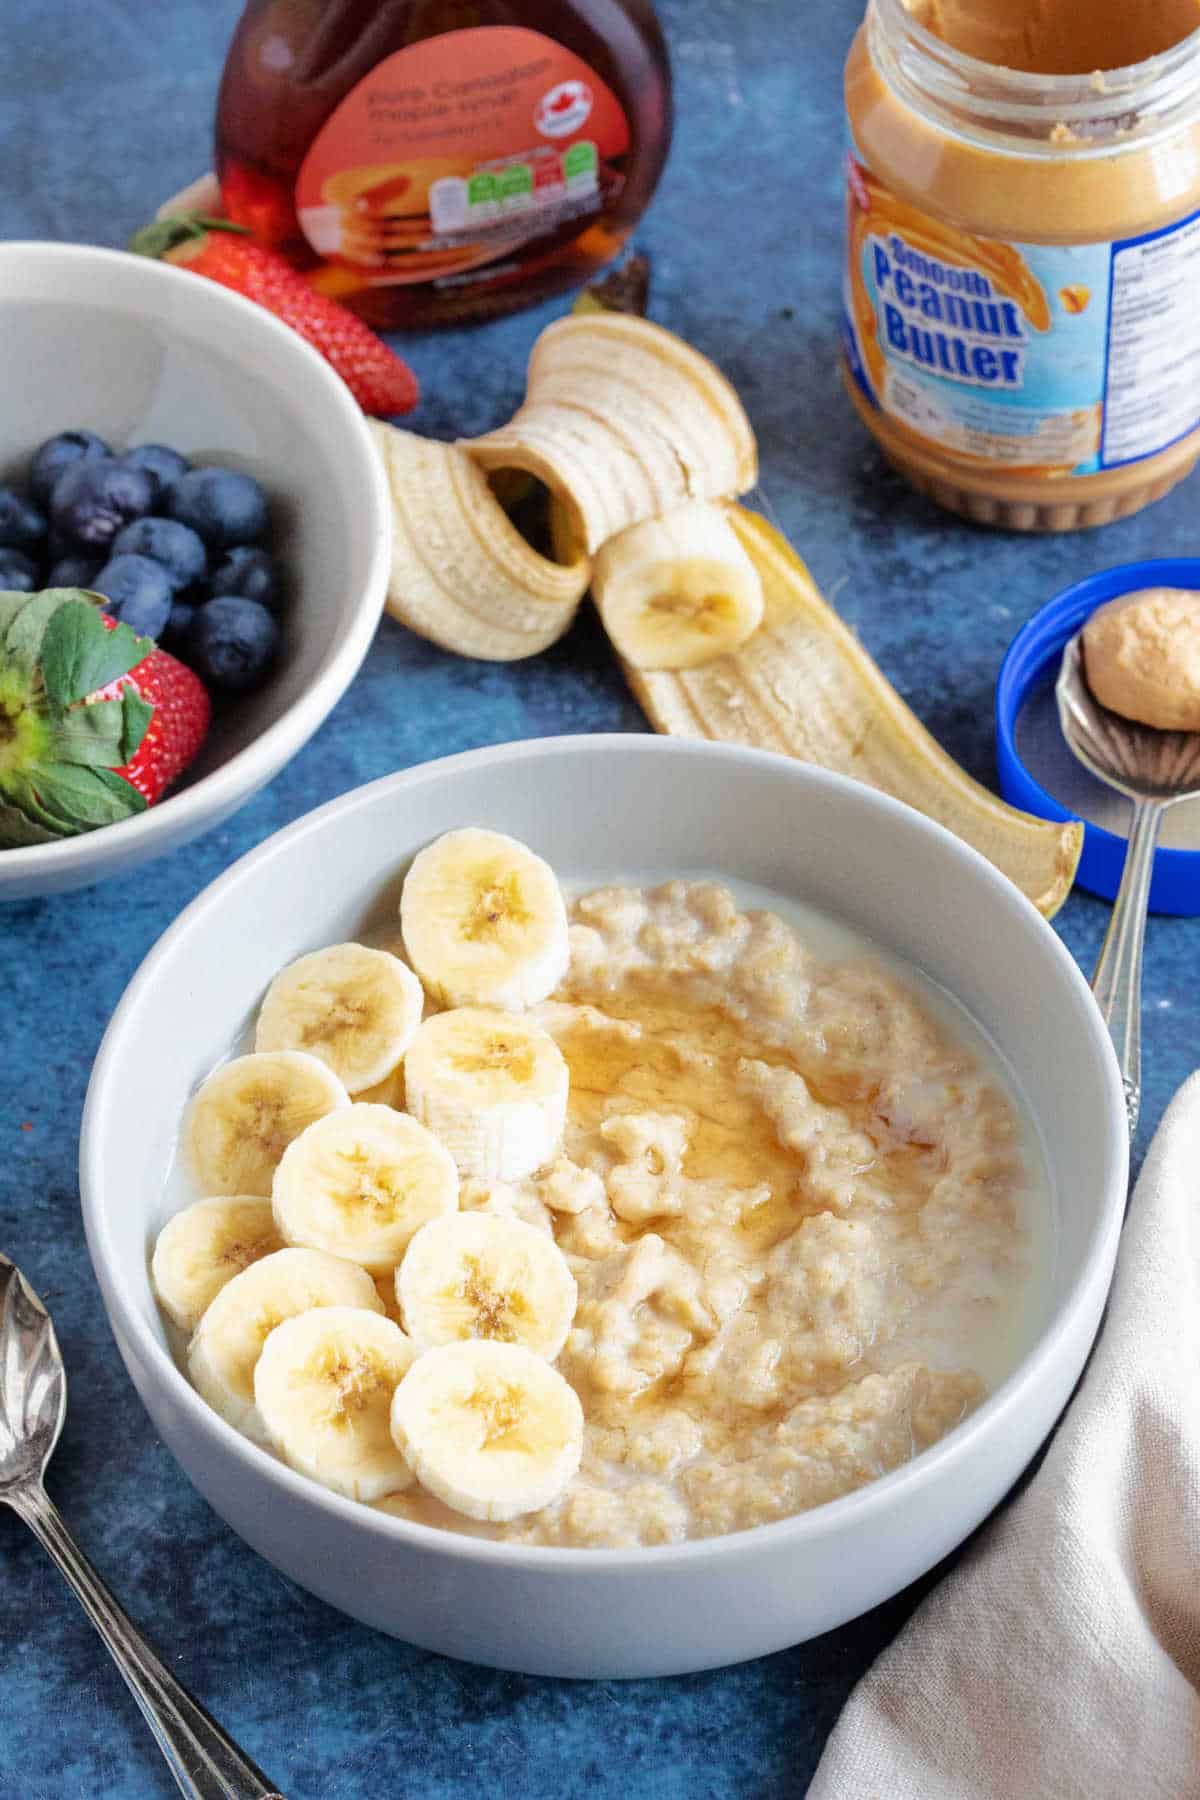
{"type": "Point", "coordinates": [142, 352]}
{"type": "Point", "coordinates": [601, 809]}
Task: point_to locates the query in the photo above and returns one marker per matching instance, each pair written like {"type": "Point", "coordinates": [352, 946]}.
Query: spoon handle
{"type": "Point", "coordinates": [206, 1764]}
{"type": "Point", "coordinates": [1117, 982]}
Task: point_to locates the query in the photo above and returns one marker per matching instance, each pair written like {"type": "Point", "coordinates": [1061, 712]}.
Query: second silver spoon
{"type": "Point", "coordinates": [1154, 769]}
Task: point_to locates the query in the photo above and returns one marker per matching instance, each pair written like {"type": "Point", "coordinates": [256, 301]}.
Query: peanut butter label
{"type": "Point", "coordinates": [1048, 359]}
{"type": "Point", "coordinates": [457, 151]}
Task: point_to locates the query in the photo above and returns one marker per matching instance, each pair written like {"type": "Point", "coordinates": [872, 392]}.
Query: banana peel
{"type": "Point", "coordinates": [803, 686]}
{"type": "Point", "coordinates": [623, 421]}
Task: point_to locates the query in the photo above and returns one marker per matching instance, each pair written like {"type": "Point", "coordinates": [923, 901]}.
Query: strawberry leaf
{"type": "Point", "coordinates": [10, 605]}
{"type": "Point", "coordinates": [135, 722]}
{"type": "Point", "coordinates": [80, 654]}
{"type": "Point", "coordinates": [166, 234]}
{"type": "Point", "coordinates": [27, 627]}
{"type": "Point", "coordinates": [17, 828]}
{"type": "Point", "coordinates": [93, 735]}
{"type": "Point", "coordinates": [84, 798]}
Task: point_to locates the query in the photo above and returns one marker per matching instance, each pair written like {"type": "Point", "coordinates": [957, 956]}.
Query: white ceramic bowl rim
{"type": "Point", "coordinates": [864, 1503]}
{"type": "Point", "coordinates": [288, 734]}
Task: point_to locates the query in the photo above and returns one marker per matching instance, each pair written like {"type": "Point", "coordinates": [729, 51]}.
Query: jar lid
{"type": "Point", "coordinates": [1039, 774]}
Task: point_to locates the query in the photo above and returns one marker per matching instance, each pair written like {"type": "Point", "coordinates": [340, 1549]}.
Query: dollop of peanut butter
{"type": "Point", "coordinates": [1142, 657]}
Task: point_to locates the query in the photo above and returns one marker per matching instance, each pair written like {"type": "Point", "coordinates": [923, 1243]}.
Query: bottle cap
{"type": "Point", "coordinates": [1039, 774]}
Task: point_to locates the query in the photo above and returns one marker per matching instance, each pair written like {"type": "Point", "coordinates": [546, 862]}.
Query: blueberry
{"type": "Point", "coordinates": [163, 465]}
{"type": "Point", "coordinates": [232, 643]}
{"type": "Point", "coordinates": [93, 500]}
{"type": "Point", "coordinates": [248, 571]}
{"type": "Point", "coordinates": [222, 506]}
{"type": "Point", "coordinates": [165, 541]}
{"type": "Point", "coordinates": [138, 591]}
{"type": "Point", "coordinates": [178, 628]}
{"type": "Point", "coordinates": [22, 526]}
{"type": "Point", "coordinates": [18, 572]}
{"type": "Point", "coordinates": [74, 570]}
{"type": "Point", "coordinates": [56, 455]}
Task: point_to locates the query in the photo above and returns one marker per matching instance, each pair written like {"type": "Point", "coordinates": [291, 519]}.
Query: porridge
{"type": "Point", "coordinates": [760, 1228]}
{"type": "Point", "coordinates": [774, 1167]}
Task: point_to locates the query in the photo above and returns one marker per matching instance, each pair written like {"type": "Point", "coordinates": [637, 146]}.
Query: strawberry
{"type": "Point", "coordinates": [95, 723]}
{"type": "Point", "coordinates": [379, 380]}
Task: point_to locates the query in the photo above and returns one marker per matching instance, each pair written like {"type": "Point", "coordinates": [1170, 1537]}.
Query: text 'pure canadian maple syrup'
{"type": "Point", "coordinates": [433, 160]}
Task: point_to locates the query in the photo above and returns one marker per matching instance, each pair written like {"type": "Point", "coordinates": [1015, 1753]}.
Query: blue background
{"type": "Point", "coordinates": [105, 108]}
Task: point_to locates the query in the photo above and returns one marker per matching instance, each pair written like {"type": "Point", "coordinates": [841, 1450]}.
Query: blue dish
{"type": "Point", "coordinates": [1032, 658]}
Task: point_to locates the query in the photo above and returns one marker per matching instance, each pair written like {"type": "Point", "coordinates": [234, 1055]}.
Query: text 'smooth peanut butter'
{"type": "Point", "coordinates": [1022, 332]}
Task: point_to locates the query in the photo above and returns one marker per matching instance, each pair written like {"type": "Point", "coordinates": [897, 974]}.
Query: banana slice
{"type": "Point", "coordinates": [462, 574]}
{"type": "Point", "coordinates": [229, 1338]}
{"type": "Point", "coordinates": [323, 1387]}
{"type": "Point", "coordinates": [492, 1087]}
{"type": "Point", "coordinates": [484, 921]}
{"type": "Point", "coordinates": [353, 1007]}
{"type": "Point", "coordinates": [477, 1275]}
{"type": "Point", "coordinates": [490, 1429]}
{"type": "Point", "coordinates": [245, 1115]}
{"type": "Point", "coordinates": [358, 1184]}
{"type": "Point", "coordinates": [804, 686]}
{"type": "Point", "coordinates": [205, 1246]}
{"type": "Point", "coordinates": [625, 421]}
{"type": "Point", "coordinates": [675, 592]}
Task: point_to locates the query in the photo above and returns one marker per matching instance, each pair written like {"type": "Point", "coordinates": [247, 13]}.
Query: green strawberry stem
{"type": "Point", "coordinates": [67, 722]}
{"type": "Point", "coordinates": [166, 234]}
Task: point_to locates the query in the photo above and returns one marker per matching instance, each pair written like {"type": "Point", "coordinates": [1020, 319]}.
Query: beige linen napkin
{"type": "Point", "coordinates": [1060, 1659]}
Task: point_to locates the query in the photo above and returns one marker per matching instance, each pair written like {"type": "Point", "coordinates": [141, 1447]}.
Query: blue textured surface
{"type": "Point", "coordinates": [105, 108]}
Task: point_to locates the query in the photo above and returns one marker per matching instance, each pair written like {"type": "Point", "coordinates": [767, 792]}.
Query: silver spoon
{"type": "Point", "coordinates": [1154, 769]}
{"type": "Point", "coordinates": [206, 1764]}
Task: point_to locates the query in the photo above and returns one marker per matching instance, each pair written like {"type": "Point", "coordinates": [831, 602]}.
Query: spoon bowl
{"type": "Point", "coordinates": [1137, 760]}
{"type": "Point", "coordinates": [33, 1383]}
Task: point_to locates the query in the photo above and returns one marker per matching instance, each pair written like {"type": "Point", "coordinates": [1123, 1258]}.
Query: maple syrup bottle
{"type": "Point", "coordinates": [434, 160]}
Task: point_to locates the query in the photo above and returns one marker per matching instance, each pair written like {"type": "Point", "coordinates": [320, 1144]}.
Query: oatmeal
{"type": "Point", "coordinates": [793, 1201]}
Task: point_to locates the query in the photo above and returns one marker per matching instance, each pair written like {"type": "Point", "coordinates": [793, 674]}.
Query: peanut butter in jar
{"type": "Point", "coordinates": [1021, 329]}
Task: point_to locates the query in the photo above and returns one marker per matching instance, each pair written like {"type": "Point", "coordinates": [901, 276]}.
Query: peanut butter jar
{"type": "Point", "coordinates": [1022, 292]}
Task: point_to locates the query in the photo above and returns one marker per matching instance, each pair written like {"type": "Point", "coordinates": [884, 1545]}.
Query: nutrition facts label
{"type": "Point", "coordinates": [1152, 394]}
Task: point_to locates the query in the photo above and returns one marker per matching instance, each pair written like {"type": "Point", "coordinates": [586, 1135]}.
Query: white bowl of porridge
{"type": "Point", "coordinates": [822, 1229]}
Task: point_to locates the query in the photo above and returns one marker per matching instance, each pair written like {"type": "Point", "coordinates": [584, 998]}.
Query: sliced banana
{"type": "Point", "coordinates": [323, 1387]}
{"type": "Point", "coordinates": [478, 1275]}
{"type": "Point", "coordinates": [205, 1246]}
{"type": "Point", "coordinates": [624, 421]}
{"type": "Point", "coordinates": [358, 1184]}
{"type": "Point", "coordinates": [804, 686]}
{"type": "Point", "coordinates": [484, 921]}
{"type": "Point", "coordinates": [229, 1338]}
{"type": "Point", "coordinates": [675, 592]}
{"type": "Point", "coordinates": [492, 1086]}
{"type": "Point", "coordinates": [490, 1429]}
{"type": "Point", "coordinates": [462, 574]}
{"type": "Point", "coordinates": [245, 1115]}
{"type": "Point", "coordinates": [354, 1007]}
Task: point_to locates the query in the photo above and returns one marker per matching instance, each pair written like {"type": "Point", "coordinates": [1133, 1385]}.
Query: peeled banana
{"type": "Point", "coordinates": [677, 591]}
{"type": "Point", "coordinates": [479, 1275]}
{"type": "Point", "coordinates": [353, 1007]}
{"type": "Point", "coordinates": [205, 1246]}
{"type": "Point", "coordinates": [490, 1429]}
{"type": "Point", "coordinates": [462, 574]}
{"type": "Point", "coordinates": [492, 1087]}
{"type": "Point", "coordinates": [247, 1112]}
{"type": "Point", "coordinates": [323, 1386]}
{"type": "Point", "coordinates": [624, 421]}
{"type": "Point", "coordinates": [484, 921]}
{"type": "Point", "coordinates": [804, 686]}
{"type": "Point", "coordinates": [358, 1183]}
{"type": "Point", "coordinates": [229, 1338]}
